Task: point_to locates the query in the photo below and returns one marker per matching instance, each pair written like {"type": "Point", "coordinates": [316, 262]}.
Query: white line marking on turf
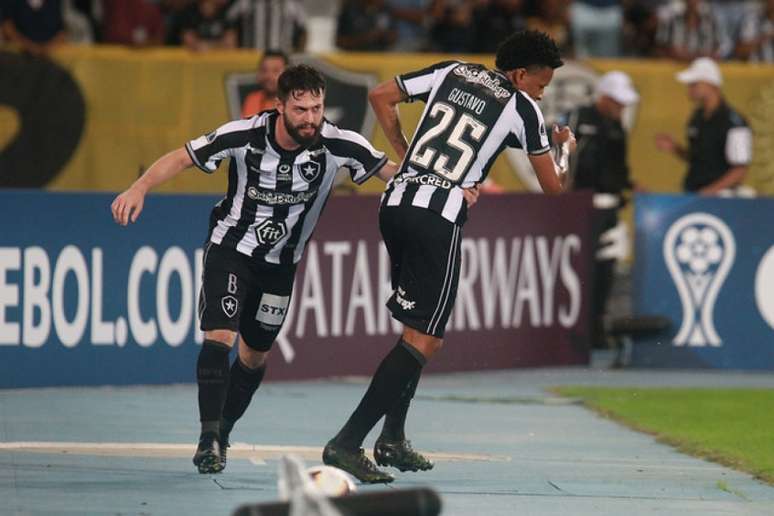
{"type": "Point", "coordinates": [260, 452]}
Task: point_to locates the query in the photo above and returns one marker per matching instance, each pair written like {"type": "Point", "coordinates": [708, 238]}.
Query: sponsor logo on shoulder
{"type": "Point", "coordinates": [480, 76]}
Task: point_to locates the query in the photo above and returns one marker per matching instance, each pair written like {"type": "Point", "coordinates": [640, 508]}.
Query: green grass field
{"type": "Point", "coordinates": [734, 427]}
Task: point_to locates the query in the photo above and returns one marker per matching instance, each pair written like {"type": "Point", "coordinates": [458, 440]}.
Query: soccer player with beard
{"type": "Point", "coordinates": [281, 172]}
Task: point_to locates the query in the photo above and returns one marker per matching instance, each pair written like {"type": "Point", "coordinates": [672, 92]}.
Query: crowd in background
{"type": "Point", "coordinates": [680, 29]}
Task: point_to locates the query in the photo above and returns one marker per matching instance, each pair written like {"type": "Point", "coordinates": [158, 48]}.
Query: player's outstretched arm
{"type": "Point", "coordinates": [384, 100]}
{"type": "Point", "coordinates": [128, 205]}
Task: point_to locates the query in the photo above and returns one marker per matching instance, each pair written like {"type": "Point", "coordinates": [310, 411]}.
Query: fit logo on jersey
{"type": "Point", "coordinates": [400, 298]}
{"type": "Point", "coordinates": [230, 305]}
{"type": "Point", "coordinates": [309, 171]}
{"type": "Point", "coordinates": [272, 309]}
{"type": "Point", "coordinates": [269, 232]}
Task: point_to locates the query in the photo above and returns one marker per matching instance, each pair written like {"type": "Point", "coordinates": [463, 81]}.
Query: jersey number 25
{"type": "Point", "coordinates": [426, 153]}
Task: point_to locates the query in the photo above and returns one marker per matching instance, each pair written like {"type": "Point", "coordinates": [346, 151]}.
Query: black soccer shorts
{"type": "Point", "coordinates": [424, 251]}
{"type": "Point", "coordinates": [243, 294]}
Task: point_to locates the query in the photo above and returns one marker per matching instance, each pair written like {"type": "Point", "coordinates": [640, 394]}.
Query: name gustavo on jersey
{"type": "Point", "coordinates": [467, 100]}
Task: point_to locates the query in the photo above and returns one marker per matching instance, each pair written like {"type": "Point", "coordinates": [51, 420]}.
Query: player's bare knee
{"type": "Point", "coordinates": [430, 346]}
{"type": "Point", "coordinates": [425, 344]}
{"type": "Point", "coordinates": [250, 357]}
{"type": "Point", "coordinates": [225, 337]}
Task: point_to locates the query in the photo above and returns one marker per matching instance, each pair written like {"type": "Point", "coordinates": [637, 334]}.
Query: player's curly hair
{"type": "Point", "coordinates": [299, 79]}
{"type": "Point", "coordinates": [527, 49]}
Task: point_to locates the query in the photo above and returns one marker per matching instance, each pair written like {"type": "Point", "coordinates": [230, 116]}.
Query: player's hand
{"type": "Point", "coordinates": [471, 195]}
{"type": "Point", "coordinates": [562, 135]}
{"type": "Point", "coordinates": [128, 206]}
{"type": "Point", "coordinates": [665, 142]}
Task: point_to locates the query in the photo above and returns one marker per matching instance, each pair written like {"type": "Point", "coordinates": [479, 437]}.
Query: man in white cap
{"type": "Point", "coordinates": [719, 147]}
{"type": "Point", "coordinates": [599, 164]}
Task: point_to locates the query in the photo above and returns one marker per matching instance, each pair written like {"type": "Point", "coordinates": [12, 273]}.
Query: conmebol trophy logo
{"type": "Point", "coordinates": [699, 251]}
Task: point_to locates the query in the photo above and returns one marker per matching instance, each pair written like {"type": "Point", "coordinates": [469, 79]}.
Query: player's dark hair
{"type": "Point", "coordinates": [273, 52]}
{"type": "Point", "coordinates": [299, 79]}
{"type": "Point", "coordinates": [528, 49]}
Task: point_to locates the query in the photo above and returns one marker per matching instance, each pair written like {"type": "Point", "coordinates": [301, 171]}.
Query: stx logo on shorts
{"type": "Point", "coordinates": [272, 309]}
{"type": "Point", "coordinates": [269, 232]}
{"type": "Point", "coordinates": [309, 171]}
{"type": "Point", "coordinates": [229, 304]}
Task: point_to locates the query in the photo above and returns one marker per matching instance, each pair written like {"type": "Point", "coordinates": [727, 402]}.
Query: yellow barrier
{"type": "Point", "coordinates": [142, 103]}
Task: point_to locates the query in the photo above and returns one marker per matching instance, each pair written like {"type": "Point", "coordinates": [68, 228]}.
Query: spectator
{"type": "Point", "coordinates": [553, 19]}
{"type": "Point", "coordinates": [271, 66]}
{"type": "Point", "coordinates": [599, 164]}
{"type": "Point", "coordinates": [719, 139]}
{"type": "Point", "coordinates": [597, 26]}
{"type": "Point", "coordinates": [729, 15]}
{"type": "Point", "coordinates": [639, 30]}
{"type": "Point", "coordinates": [689, 30]}
{"type": "Point", "coordinates": [37, 27]}
{"type": "Point", "coordinates": [174, 12]}
{"type": "Point", "coordinates": [494, 21]}
{"type": "Point", "coordinates": [365, 25]}
{"type": "Point", "coordinates": [136, 23]}
{"type": "Point", "coordinates": [412, 20]}
{"type": "Point", "coordinates": [756, 36]}
{"type": "Point", "coordinates": [453, 20]}
{"type": "Point", "coordinates": [78, 24]}
{"type": "Point", "coordinates": [270, 24]}
{"type": "Point", "coordinates": [205, 27]}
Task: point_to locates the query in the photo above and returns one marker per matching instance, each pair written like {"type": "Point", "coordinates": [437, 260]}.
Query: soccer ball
{"type": "Point", "coordinates": [331, 481]}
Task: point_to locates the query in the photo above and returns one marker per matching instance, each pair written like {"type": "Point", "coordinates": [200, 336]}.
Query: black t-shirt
{"type": "Point", "coordinates": [715, 145]}
{"type": "Point", "coordinates": [599, 162]}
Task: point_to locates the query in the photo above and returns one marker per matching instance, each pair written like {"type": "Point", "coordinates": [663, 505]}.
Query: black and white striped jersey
{"type": "Point", "coordinates": [754, 26]}
{"type": "Point", "coordinates": [275, 196]}
{"type": "Point", "coordinates": [472, 114]}
{"type": "Point", "coordinates": [268, 24]}
{"type": "Point", "coordinates": [705, 38]}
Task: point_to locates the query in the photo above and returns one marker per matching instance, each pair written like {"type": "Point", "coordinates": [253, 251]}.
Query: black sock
{"type": "Point", "coordinates": [212, 376]}
{"type": "Point", "coordinates": [243, 383]}
{"type": "Point", "coordinates": [391, 379]}
{"type": "Point", "coordinates": [394, 428]}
